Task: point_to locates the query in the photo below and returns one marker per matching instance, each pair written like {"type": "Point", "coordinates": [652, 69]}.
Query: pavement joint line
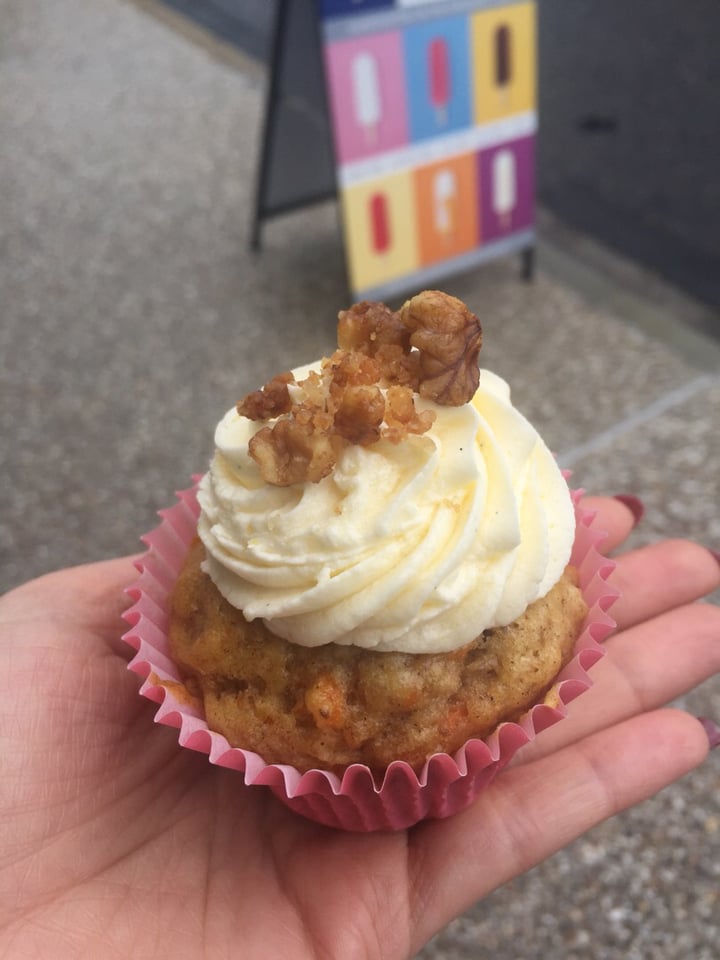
{"type": "Point", "coordinates": [219, 49]}
{"type": "Point", "coordinates": [674, 398]}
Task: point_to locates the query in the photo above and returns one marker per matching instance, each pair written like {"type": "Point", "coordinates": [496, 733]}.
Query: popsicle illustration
{"type": "Point", "coordinates": [504, 187]}
{"type": "Point", "coordinates": [444, 203]}
{"type": "Point", "coordinates": [438, 68]}
{"type": "Point", "coordinates": [380, 236]}
{"type": "Point", "coordinates": [503, 61]}
{"type": "Point", "coordinates": [367, 100]}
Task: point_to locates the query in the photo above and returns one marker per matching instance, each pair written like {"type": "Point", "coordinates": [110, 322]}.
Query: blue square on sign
{"type": "Point", "coordinates": [438, 79]}
{"type": "Point", "coordinates": [341, 8]}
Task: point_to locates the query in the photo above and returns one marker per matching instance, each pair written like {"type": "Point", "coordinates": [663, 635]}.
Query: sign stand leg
{"type": "Point", "coordinates": [527, 270]}
{"type": "Point", "coordinates": [296, 163]}
{"type": "Point", "coordinates": [266, 148]}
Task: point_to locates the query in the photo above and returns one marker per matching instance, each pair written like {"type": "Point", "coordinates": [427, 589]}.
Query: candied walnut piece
{"type": "Point", "coordinates": [313, 417]}
{"type": "Point", "coordinates": [269, 402]}
{"type": "Point", "coordinates": [401, 417]}
{"type": "Point", "coordinates": [449, 338]}
{"type": "Point", "coordinates": [368, 325]}
{"type": "Point", "coordinates": [349, 368]}
{"type": "Point", "coordinates": [291, 452]}
{"type": "Point", "coordinates": [399, 367]}
{"type": "Point", "coordinates": [360, 414]}
{"type": "Point", "coordinates": [314, 390]}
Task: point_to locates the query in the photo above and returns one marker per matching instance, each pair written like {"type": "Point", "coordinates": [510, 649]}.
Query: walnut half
{"type": "Point", "coordinates": [448, 337]}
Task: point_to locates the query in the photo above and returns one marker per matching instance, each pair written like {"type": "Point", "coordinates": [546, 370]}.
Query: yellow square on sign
{"type": "Point", "coordinates": [503, 45]}
{"type": "Point", "coordinates": [379, 220]}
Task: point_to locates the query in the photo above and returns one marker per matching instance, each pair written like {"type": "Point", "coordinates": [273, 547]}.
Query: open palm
{"type": "Point", "coordinates": [116, 842]}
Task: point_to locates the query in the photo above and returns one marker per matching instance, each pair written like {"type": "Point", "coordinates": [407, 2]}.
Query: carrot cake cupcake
{"type": "Point", "coordinates": [381, 570]}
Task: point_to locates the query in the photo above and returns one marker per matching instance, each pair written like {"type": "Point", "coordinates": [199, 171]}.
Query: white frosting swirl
{"type": "Point", "coordinates": [417, 546]}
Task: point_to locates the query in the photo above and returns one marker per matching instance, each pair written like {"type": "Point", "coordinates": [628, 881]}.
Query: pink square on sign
{"type": "Point", "coordinates": [366, 82]}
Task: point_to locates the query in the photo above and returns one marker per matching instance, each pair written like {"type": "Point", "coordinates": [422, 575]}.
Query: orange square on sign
{"type": "Point", "coordinates": [446, 198]}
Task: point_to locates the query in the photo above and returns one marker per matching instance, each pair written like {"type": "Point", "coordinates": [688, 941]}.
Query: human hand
{"type": "Point", "coordinates": [116, 842]}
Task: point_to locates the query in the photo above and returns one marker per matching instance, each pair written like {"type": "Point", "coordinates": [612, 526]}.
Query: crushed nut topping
{"type": "Point", "coordinates": [271, 401]}
{"type": "Point", "coordinates": [368, 327]}
{"type": "Point", "coordinates": [401, 417]}
{"type": "Point", "coordinates": [291, 451]}
{"type": "Point", "coordinates": [364, 392]}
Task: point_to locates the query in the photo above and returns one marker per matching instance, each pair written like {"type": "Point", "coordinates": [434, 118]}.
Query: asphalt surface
{"type": "Point", "coordinates": [133, 316]}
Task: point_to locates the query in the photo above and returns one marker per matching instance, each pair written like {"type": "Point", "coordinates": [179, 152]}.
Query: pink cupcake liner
{"type": "Point", "coordinates": [445, 785]}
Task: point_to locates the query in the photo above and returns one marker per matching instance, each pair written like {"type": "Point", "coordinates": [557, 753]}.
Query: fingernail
{"type": "Point", "coordinates": [712, 730]}
{"type": "Point", "coordinates": [634, 505]}
{"type": "Point", "coordinates": [714, 553]}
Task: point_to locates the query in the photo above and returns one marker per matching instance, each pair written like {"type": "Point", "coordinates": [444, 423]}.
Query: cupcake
{"type": "Point", "coordinates": [382, 579]}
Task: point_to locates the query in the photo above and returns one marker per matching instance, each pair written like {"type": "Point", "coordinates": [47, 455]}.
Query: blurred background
{"type": "Point", "coordinates": [133, 314]}
{"type": "Point", "coordinates": [629, 131]}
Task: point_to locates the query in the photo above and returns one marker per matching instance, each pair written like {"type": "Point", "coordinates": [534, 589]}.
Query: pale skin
{"type": "Point", "coordinates": [117, 843]}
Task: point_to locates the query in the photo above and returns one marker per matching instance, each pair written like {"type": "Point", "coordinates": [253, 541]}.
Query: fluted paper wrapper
{"type": "Point", "coordinates": [357, 800]}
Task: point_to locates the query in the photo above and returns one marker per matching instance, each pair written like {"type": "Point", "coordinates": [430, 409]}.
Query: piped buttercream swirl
{"type": "Point", "coordinates": [417, 546]}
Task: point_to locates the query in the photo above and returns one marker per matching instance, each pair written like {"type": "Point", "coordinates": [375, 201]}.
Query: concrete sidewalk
{"type": "Point", "coordinates": [133, 316]}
